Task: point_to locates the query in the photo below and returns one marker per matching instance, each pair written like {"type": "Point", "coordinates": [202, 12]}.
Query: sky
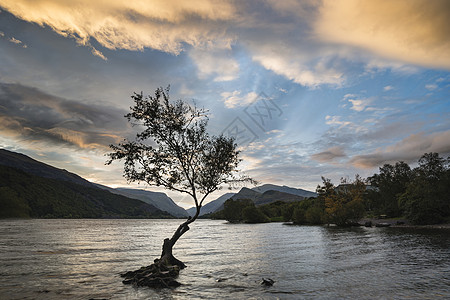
{"type": "Point", "coordinates": [308, 88]}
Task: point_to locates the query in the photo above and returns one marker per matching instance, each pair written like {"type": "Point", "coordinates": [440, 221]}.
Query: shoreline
{"type": "Point", "coordinates": [402, 223]}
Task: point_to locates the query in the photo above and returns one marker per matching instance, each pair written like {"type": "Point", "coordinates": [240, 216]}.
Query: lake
{"type": "Point", "coordinates": [81, 259]}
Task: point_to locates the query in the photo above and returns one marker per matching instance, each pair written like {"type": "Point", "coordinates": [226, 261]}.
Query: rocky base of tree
{"type": "Point", "coordinates": [157, 275]}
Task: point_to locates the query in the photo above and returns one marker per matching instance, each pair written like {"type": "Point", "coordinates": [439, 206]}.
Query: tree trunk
{"type": "Point", "coordinates": [163, 272]}
{"type": "Point", "coordinates": [167, 255]}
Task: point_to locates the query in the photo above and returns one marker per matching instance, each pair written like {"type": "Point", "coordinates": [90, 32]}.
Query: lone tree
{"type": "Point", "coordinates": [174, 151]}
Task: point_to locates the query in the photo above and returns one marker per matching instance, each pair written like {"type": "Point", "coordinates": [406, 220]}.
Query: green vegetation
{"type": "Point", "coordinates": [389, 184]}
{"type": "Point", "coordinates": [27, 196]}
{"type": "Point", "coordinates": [422, 195]}
{"type": "Point", "coordinates": [427, 197]}
{"type": "Point", "coordinates": [241, 211]}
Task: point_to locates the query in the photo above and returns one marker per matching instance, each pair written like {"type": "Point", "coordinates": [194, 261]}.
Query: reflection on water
{"type": "Point", "coordinates": [81, 259]}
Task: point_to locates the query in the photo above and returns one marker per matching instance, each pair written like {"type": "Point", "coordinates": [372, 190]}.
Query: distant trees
{"type": "Point", "coordinates": [389, 184]}
{"type": "Point", "coordinates": [243, 210]}
{"type": "Point", "coordinates": [426, 199]}
{"type": "Point", "coordinates": [422, 195]}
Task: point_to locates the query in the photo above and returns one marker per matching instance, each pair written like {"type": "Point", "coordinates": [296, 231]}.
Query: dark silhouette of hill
{"type": "Point", "coordinates": [157, 199]}
{"type": "Point", "coordinates": [34, 167]}
{"type": "Point", "coordinates": [260, 195]}
{"type": "Point", "coordinates": [29, 188]}
{"type": "Point", "coordinates": [285, 189]}
{"type": "Point", "coordinates": [274, 196]}
{"type": "Point", "coordinates": [264, 194]}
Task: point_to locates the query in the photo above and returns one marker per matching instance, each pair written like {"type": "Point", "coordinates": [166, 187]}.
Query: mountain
{"type": "Point", "coordinates": [159, 200]}
{"type": "Point", "coordinates": [29, 188]}
{"type": "Point", "coordinates": [285, 189]}
{"type": "Point", "coordinates": [264, 194]}
{"type": "Point", "coordinates": [211, 206]}
{"type": "Point", "coordinates": [34, 167]}
{"type": "Point", "coordinates": [271, 196]}
{"type": "Point", "coordinates": [266, 197]}
{"type": "Point", "coordinates": [244, 193]}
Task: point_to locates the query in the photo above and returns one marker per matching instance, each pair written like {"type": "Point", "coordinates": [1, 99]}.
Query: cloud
{"type": "Point", "coordinates": [359, 104]}
{"type": "Point", "coordinates": [133, 25]}
{"type": "Point", "coordinates": [98, 53]}
{"type": "Point", "coordinates": [215, 61]}
{"type": "Point", "coordinates": [388, 88]}
{"type": "Point", "coordinates": [414, 32]}
{"type": "Point", "coordinates": [409, 149]}
{"type": "Point", "coordinates": [29, 114]}
{"type": "Point", "coordinates": [431, 87]}
{"type": "Point", "coordinates": [265, 31]}
{"type": "Point", "coordinates": [336, 120]}
{"type": "Point", "coordinates": [329, 155]}
{"type": "Point", "coordinates": [307, 74]}
{"type": "Point", "coordinates": [234, 99]}
{"type": "Point", "coordinates": [307, 42]}
{"type": "Point", "coordinates": [15, 41]}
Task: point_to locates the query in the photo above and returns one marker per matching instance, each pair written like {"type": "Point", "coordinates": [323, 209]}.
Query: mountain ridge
{"type": "Point", "coordinates": [157, 199]}
{"type": "Point", "coordinates": [24, 195]}
{"type": "Point", "coordinates": [29, 165]}
{"type": "Point", "coordinates": [30, 188]}
{"type": "Point", "coordinates": [257, 195]}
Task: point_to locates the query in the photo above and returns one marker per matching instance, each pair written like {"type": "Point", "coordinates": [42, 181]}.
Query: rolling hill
{"type": "Point", "coordinates": [32, 189]}
{"type": "Point", "coordinates": [157, 199]}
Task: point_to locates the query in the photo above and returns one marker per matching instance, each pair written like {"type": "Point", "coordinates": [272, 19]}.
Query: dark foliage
{"type": "Point", "coordinates": [427, 197]}
{"type": "Point", "coordinates": [243, 211]}
{"type": "Point", "coordinates": [389, 184]}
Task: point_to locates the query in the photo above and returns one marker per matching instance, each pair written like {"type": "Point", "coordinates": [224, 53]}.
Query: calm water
{"type": "Point", "coordinates": [81, 259]}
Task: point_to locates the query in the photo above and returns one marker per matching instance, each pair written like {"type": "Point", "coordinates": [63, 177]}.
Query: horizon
{"type": "Point", "coordinates": [308, 88]}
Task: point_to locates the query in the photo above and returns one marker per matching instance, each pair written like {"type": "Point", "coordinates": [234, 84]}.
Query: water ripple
{"type": "Point", "coordinates": [81, 259]}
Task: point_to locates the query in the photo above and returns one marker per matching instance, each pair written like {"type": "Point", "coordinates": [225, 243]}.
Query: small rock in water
{"type": "Point", "coordinates": [221, 279]}
{"type": "Point", "coordinates": [267, 282]}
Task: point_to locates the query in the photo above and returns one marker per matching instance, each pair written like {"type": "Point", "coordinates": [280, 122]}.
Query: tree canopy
{"type": "Point", "coordinates": [174, 149]}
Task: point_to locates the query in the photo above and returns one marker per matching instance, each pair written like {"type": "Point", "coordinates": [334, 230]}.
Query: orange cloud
{"type": "Point", "coordinates": [133, 25]}
{"type": "Point", "coordinates": [414, 31]}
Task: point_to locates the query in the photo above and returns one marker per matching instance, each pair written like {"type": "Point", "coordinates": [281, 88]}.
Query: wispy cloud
{"type": "Point", "coordinates": [289, 64]}
{"type": "Point", "coordinates": [329, 155]}
{"type": "Point", "coordinates": [336, 120]}
{"type": "Point", "coordinates": [215, 61]}
{"type": "Point", "coordinates": [235, 99]}
{"type": "Point", "coordinates": [359, 104]}
{"type": "Point", "coordinates": [15, 41]}
{"type": "Point", "coordinates": [431, 86]}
